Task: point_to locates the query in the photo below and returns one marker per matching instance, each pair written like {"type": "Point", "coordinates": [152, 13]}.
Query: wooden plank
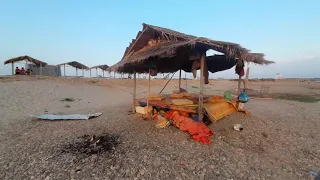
{"type": "Point", "coordinates": [134, 92]}
{"type": "Point", "coordinates": [200, 109]}
{"type": "Point", "coordinates": [247, 79]}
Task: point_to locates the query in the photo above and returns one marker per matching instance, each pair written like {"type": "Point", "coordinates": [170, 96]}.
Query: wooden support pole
{"type": "Point", "coordinates": [82, 72]}
{"type": "Point", "coordinates": [239, 85]}
{"type": "Point", "coordinates": [247, 79]}
{"type": "Point", "coordinates": [90, 72]}
{"type": "Point", "coordinates": [102, 73]}
{"type": "Point", "coordinates": [96, 72]}
{"type": "Point", "coordinates": [200, 110]}
{"type": "Point", "coordinates": [134, 92]}
{"type": "Point", "coordinates": [185, 77]}
{"type": "Point", "coordinates": [40, 69]}
{"type": "Point", "coordinates": [64, 69]}
{"type": "Point", "coordinates": [12, 64]}
{"type": "Point", "coordinates": [114, 75]}
{"type": "Point", "coordinates": [148, 90]}
{"type": "Point", "coordinates": [179, 79]}
{"type": "Point", "coordinates": [77, 72]}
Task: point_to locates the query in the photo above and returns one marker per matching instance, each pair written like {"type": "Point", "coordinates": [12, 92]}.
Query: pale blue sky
{"type": "Point", "coordinates": [97, 32]}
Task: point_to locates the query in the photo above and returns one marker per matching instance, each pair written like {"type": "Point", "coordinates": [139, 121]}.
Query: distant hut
{"type": "Point", "coordinates": [102, 67]}
{"type": "Point", "coordinates": [37, 62]}
{"type": "Point", "coordinates": [162, 50]}
{"type": "Point", "coordinates": [74, 64]}
{"type": "Point", "coordinates": [279, 76]}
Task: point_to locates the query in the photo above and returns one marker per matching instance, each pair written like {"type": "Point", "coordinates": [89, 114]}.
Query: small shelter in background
{"type": "Point", "coordinates": [74, 64]}
{"type": "Point", "coordinates": [162, 50]}
{"type": "Point", "coordinates": [279, 76]}
{"type": "Point", "coordinates": [102, 67]}
{"type": "Point", "coordinates": [37, 62]}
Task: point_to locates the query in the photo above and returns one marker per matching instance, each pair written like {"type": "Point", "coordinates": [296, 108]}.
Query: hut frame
{"type": "Point", "coordinates": [25, 58]}
{"type": "Point", "coordinates": [74, 64]}
{"type": "Point", "coordinates": [169, 51]}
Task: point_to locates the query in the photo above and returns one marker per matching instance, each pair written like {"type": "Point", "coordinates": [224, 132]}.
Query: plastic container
{"type": "Point", "coordinates": [195, 117]}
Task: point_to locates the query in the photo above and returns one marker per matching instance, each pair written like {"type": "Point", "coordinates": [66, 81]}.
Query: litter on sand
{"type": "Point", "coordinates": [238, 127]}
{"type": "Point", "coordinates": [53, 117]}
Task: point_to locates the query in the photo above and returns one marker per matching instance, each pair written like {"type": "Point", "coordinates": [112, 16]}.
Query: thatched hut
{"type": "Point", "coordinates": [102, 67]}
{"type": "Point", "coordinates": [74, 64]}
{"type": "Point", "coordinates": [28, 59]}
{"type": "Point", "coordinates": [168, 51]}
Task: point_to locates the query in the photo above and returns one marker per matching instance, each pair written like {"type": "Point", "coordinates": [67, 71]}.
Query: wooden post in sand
{"type": "Point", "coordinates": [179, 79]}
{"type": "Point", "coordinates": [134, 92]}
{"type": "Point", "coordinates": [12, 64]}
{"type": "Point", "coordinates": [90, 72]}
{"type": "Point", "coordinates": [200, 110]}
{"type": "Point", "coordinates": [64, 69]}
{"type": "Point", "coordinates": [247, 79]}
{"type": "Point", "coordinates": [148, 91]}
{"type": "Point", "coordinates": [82, 72]}
{"type": "Point", "coordinates": [97, 72]}
{"type": "Point", "coordinates": [239, 85]}
{"type": "Point", "coordinates": [40, 69]}
{"type": "Point", "coordinates": [102, 73]}
{"type": "Point", "coordinates": [185, 77]}
{"type": "Point", "coordinates": [114, 75]}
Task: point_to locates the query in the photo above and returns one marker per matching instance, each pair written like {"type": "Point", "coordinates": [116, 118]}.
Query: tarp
{"type": "Point", "coordinates": [53, 117]}
{"type": "Point", "coordinates": [199, 131]}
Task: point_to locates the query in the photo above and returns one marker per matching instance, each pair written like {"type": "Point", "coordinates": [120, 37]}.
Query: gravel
{"type": "Point", "coordinates": [279, 141]}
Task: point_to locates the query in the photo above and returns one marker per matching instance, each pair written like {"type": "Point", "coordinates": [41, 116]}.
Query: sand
{"type": "Point", "coordinates": [280, 140]}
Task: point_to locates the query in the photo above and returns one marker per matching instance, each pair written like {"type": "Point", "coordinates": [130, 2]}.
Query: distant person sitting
{"type": "Point", "coordinates": [18, 72]}
{"type": "Point", "coordinates": [28, 72]}
{"type": "Point", "coordinates": [23, 72]}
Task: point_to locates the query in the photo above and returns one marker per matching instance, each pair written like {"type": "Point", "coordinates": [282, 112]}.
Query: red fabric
{"type": "Point", "coordinates": [199, 131]}
{"type": "Point", "coordinates": [240, 70]}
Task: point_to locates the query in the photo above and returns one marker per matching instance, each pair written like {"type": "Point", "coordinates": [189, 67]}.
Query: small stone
{"type": "Point", "coordinates": [157, 162]}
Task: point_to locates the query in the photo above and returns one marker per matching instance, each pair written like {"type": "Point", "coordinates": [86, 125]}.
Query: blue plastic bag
{"type": "Point", "coordinates": [243, 98]}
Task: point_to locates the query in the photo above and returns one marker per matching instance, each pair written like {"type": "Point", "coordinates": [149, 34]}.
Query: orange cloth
{"type": "Point", "coordinates": [199, 131]}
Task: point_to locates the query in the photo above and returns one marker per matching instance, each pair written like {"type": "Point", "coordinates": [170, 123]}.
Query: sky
{"type": "Point", "coordinates": [98, 31]}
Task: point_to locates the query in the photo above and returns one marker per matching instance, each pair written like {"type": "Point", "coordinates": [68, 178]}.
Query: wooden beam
{"type": "Point", "coordinates": [40, 69]}
{"type": "Point", "coordinates": [200, 109]}
{"type": "Point", "coordinates": [64, 69]}
{"type": "Point", "coordinates": [148, 90]}
{"type": "Point", "coordinates": [247, 79]}
{"type": "Point", "coordinates": [134, 92]}
{"type": "Point", "coordinates": [12, 64]}
{"type": "Point", "coordinates": [239, 85]}
{"type": "Point", "coordinates": [179, 79]}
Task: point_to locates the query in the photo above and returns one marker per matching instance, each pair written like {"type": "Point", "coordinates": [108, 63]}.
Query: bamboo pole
{"type": "Point", "coordinates": [200, 110]}
{"type": "Point", "coordinates": [148, 91]}
{"type": "Point", "coordinates": [12, 64]}
{"type": "Point", "coordinates": [247, 79]}
{"type": "Point", "coordinates": [134, 92]}
{"type": "Point", "coordinates": [179, 79]}
{"type": "Point", "coordinates": [40, 69]}
{"type": "Point", "coordinates": [239, 85]}
{"type": "Point", "coordinates": [185, 77]}
{"type": "Point", "coordinates": [64, 69]}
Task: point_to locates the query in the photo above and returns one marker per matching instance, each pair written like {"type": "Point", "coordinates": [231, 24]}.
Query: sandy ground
{"type": "Point", "coordinates": [279, 141]}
